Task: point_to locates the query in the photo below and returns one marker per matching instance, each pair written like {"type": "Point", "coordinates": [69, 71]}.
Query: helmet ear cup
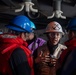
{"type": "Point", "coordinates": [20, 23]}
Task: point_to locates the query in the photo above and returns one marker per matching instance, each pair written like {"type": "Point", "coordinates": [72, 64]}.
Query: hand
{"type": "Point", "coordinates": [50, 61]}
{"type": "Point", "coordinates": [53, 61]}
{"type": "Point", "coordinates": [42, 58]}
{"type": "Point", "coordinates": [46, 59]}
{"type": "Point", "coordinates": [39, 58]}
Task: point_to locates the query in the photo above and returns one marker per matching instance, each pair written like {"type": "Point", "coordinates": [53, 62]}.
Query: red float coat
{"type": "Point", "coordinates": [8, 43]}
{"type": "Point", "coordinates": [71, 45]}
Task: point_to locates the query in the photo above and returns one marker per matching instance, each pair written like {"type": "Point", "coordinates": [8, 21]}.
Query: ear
{"type": "Point", "coordinates": [73, 34]}
{"type": "Point", "coordinates": [62, 35]}
{"type": "Point", "coordinates": [22, 34]}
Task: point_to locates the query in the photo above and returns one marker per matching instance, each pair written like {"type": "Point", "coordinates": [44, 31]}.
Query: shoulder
{"type": "Point", "coordinates": [40, 39]}
{"type": "Point", "coordinates": [18, 50]}
{"type": "Point", "coordinates": [61, 46]}
{"type": "Point", "coordinates": [19, 53]}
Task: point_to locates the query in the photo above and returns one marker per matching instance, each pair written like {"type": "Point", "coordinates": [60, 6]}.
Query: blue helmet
{"type": "Point", "coordinates": [20, 23]}
{"type": "Point", "coordinates": [33, 25]}
{"type": "Point", "coordinates": [72, 24]}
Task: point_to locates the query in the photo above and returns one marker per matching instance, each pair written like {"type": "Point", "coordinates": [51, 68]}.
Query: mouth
{"type": "Point", "coordinates": [55, 41]}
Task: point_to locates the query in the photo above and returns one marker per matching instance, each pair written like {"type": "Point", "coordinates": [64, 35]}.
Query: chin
{"type": "Point", "coordinates": [55, 43]}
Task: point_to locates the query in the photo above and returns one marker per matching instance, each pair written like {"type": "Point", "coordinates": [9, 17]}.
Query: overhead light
{"type": "Point", "coordinates": [57, 10]}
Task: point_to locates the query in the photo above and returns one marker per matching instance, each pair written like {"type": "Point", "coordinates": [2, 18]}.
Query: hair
{"type": "Point", "coordinates": [14, 32]}
{"type": "Point", "coordinates": [73, 31]}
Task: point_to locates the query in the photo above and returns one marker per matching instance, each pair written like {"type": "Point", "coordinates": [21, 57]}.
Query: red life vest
{"type": "Point", "coordinates": [8, 43]}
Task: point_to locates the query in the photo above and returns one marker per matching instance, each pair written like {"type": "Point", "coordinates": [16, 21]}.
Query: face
{"type": "Point", "coordinates": [54, 37]}
{"type": "Point", "coordinates": [31, 36]}
{"type": "Point", "coordinates": [27, 36]}
{"type": "Point", "coordinates": [70, 34]}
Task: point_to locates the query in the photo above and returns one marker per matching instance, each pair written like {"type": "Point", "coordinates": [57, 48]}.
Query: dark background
{"type": "Point", "coordinates": [45, 9]}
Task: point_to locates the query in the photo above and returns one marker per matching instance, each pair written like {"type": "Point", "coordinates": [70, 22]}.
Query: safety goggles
{"type": "Point", "coordinates": [54, 34]}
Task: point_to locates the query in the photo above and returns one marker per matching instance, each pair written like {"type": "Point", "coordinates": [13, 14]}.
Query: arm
{"type": "Point", "coordinates": [19, 64]}
{"type": "Point", "coordinates": [70, 64]}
